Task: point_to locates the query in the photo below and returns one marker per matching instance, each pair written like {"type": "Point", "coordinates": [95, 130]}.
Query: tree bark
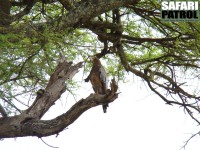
{"type": "Point", "coordinates": [5, 12]}
{"type": "Point", "coordinates": [29, 122]}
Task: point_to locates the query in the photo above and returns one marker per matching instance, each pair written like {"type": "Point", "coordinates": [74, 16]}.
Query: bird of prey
{"type": "Point", "coordinates": [98, 79]}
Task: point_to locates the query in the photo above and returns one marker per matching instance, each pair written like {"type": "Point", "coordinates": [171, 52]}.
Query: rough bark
{"type": "Point", "coordinates": [174, 45]}
{"type": "Point", "coordinates": [76, 17]}
{"type": "Point", "coordinates": [29, 122]}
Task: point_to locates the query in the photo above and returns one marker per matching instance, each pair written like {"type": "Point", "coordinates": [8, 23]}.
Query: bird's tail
{"type": "Point", "coordinates": [105, 107]}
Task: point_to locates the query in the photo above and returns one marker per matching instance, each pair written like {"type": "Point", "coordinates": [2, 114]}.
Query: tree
{"type": "Point", "coordinates": [37, 35]}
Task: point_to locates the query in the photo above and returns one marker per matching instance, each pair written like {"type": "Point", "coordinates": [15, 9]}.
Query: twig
{"type": "Point", "coordinates": [48, 144]}
{"type": "Point", "coordinates": [186, 142]}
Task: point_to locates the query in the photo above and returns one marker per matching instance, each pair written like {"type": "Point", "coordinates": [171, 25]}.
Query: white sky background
{"type": "Point", "coordinates": [137, 120]}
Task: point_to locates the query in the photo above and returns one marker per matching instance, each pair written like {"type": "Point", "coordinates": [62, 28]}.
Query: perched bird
{"type": "Point", "coordinates": [98, 79]}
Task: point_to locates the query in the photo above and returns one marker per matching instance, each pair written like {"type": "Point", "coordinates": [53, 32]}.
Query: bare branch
{"type": "Point", "coordinates": [186, 142]}
{"type": "Point", "coordinates": [55, 87]}
{"type": "Point", "coordinates": [23, 125]}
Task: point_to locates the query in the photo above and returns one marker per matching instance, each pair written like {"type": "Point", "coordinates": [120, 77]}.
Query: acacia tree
{"type": "Point", "coordinates": [127, 34]}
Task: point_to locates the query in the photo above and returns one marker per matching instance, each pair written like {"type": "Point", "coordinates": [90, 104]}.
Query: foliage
{"type": "Point", "coordinates": [128, 35]}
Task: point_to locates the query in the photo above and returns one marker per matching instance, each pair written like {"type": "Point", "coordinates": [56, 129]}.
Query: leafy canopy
{"type": "Point", "coordinates": [128, 35]}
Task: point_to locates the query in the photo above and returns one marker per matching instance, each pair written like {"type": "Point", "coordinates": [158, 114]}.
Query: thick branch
{"type": "Point", "coordinates": [86, 11]}
{"type": "Point", "coordinates": [77, 16]}
{"type": "Point", "coordinates": [98, 26]}
{"type": "Point", "coordinates": [55, 87]}
{"type": "Point", "coordinates": [15, 127]}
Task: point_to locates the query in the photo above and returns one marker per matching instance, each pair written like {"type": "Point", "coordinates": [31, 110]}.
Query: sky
{"type": "Point", "coordinates": [137, 120]}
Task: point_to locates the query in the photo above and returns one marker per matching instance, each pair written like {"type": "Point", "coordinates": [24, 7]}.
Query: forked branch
{"type": "Point", "coordinates": [29, 122]}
